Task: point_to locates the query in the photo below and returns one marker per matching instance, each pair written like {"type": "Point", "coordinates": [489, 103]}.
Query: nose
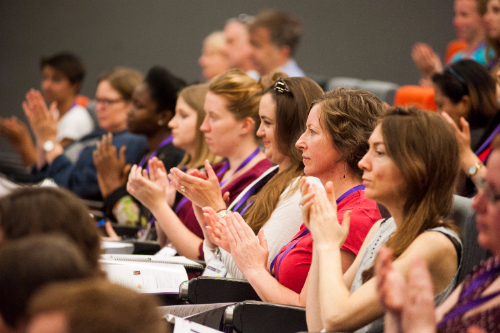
{"type": "Point", "coordinates": [363, 163]}
{"type": "Point", "coordinates": [260, 131]}
{"type": "Point", "coordinates": [172, 123]}
{"type": "Point", "coordinates": [204, 125]}
{"type": "Point", "coordinates": [300, 144]}
{"type": "Point", "coordinates": [479, 202]}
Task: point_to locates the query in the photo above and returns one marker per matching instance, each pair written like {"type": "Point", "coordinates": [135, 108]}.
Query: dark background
{"type": "Point", "coordinates": [367, 39]}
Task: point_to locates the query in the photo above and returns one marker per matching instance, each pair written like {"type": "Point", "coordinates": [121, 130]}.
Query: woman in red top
{"type": "Point", "coordinates": [338, 127]}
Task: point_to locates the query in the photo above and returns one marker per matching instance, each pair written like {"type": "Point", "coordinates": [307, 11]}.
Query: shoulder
{"type": "Point", "coordinates": [360, 206]}
{"type": "Point", "coordinates": [432, 245]}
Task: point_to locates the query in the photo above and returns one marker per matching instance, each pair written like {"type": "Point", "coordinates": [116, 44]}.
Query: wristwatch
{"type": "Point", "coordinates": [472, 170]}
{"type": "Point", "coordinates": [48, 146]}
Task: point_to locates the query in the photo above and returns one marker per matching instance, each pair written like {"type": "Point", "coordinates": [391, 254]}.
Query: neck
{"type": "Point", "coordinates": [396, 213]}
{"type": "Point", "coordinates": [157, 138]}
{"type": "Point", "coordinates": [284, 165]}
{"type": "Point", "coordinates": [279, 64]}
{"type": "Point", "coordinates": [64, 106]}
{"type": "Point", "coordinates": [242, 151]}
{"type": "Point", "coordinates": [474, 42]}
{"type": "Point", "coordinates": [248, 65]}
{"type": "Point", "coordinates": [341, 184]}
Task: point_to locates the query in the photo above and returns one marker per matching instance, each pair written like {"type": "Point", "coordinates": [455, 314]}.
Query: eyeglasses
{"type": "Point", "coordinates": [107, 102]}
{"type": "Point", "coordinates": [490, 194]}
{"type": "Point", "coordinates": [281, 87]}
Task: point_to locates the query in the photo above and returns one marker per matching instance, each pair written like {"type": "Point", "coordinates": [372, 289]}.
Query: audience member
{"type": "Point", "coordinates": [337, 129]}
{"type": "Point", "coordinates": [93, 306]}
{"type": "Point", "coordinates": [472, 162]}
{"type": "Point", "coordinates": [27, 265]}
{"type": "Point", "coordinates": [274, 210]}
{"type": "Point", "coordinates": [473, 306]}
{"type": "Point", "coordinates": [238, 49]}
{"type": "Point", "coordinates": [153, 107]}
{"type": "Point", "coordinates": [469, 27]}
{"type": "Point", "coordinates": [32, 210]}
{"type": "Point", "coordinates": [213, 60]}
{"type": "Point", "coordinates": [62, 77]}
{"type": "Point", "coordinates": [231, 121]}
{"type": "Point", "coordinates": [410, 168]}
{"type": "Point", "coordinates": [275, 37]}
{"type": "Point", "coordinates": [73, 168]}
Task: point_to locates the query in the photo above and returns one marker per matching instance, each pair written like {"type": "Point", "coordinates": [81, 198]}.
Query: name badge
{"type": "Point", "coordinates": [215, 268]}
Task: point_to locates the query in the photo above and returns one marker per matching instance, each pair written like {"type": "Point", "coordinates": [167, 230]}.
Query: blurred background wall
{"type": "Point", "coordinates": [357, 38]}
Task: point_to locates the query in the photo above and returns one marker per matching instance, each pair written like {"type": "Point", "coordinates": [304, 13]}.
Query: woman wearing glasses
{"type": "Point", "coordinates": [72, 167]}
{"type": "Point", "coordinates": [337, 129]}
{"type": "Point", "coordinates": [474, 306]}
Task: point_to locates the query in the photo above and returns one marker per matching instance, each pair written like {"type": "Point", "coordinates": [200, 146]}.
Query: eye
{"type": "Point", "coordinates": [311, 132]}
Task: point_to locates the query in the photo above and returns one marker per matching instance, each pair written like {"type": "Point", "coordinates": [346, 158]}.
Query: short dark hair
{"type": "Point", "coordinates": [67, 63]}
{"type": "Point", "coordinates": [32, 262]}
{"type": "Point", "coordinates": [284, 28]}
{"type": "Point", "coordinates": [164, 88]}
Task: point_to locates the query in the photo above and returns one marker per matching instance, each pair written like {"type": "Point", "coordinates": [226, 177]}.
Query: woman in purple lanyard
{"type": "Point", "coordinates": [230, 126]}
{"type": "Point", "coordinates": [153, 106]}
{"type": "Point", "coordinates": [473, 158]}
{"type": "Point", "coordinates": [271, 203]}
{"type": "Point", "coordinates": [475, 302]}
{"type": "Point", "coordinates": [337, 129]}
{"type": "Point", "coordinates": [410, 168]}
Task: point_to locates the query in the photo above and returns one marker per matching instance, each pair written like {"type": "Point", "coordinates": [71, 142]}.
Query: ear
{"type": "Point", "coordinates": [165, 116]}
{"type": "Point", "coordinates": [284, 51]}
{"type": "Point", "coordinates": [465, 106]}
{"type": "Point", "coordinates": [76, 87]}
{"type": "Point", "coordinates": [247, 125]}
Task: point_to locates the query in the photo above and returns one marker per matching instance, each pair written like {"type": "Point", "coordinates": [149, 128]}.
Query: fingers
{"type": "Point", "coordinates": [262, 239]}
{"type": "Point", "coordinates": [450, 121]}
{"type": "Point", "coordinates": [330, 193]}
{"type": "Point", "coordinates": [121, 154]}
{"type": "Point", "coordinates": [243, 228]}
{"type": "Point", "coordinates": [210, 172]}
{"type": "Point", "coordinates": [230, 228]}
{"type": "Point", "coordinates": [152, 170]}
{"type": "Point", "coordinates": [110, 231]}
{"type": "Point", "coordinates": [465, 126]}
{"type": "Point", "coordinates": [225, 197]}
{"type": "Point", "coordinates": [346, 222]}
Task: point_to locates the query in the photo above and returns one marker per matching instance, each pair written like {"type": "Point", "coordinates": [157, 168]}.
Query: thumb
{"type": "Point", "coordinates": [52, 109]}
{"type": "Point", "coordinates": [121, 155]}
{"type": "Point", "coordinates": [225, 197]}
{"type": "Point", "coordinates": [465, 126]}
{"type": "Point", "coordinates": [262, 239]}
{"type": "Point", "coordinates": [330, 193]}
{"type": "Point", "coordinates": [210, 172]}
{"type": "Point", "coordinates": [126, 170]}
{"type": "Point", "coordinates": [347, 221]}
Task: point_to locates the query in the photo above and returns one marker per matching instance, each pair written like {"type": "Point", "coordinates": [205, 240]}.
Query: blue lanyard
{"type": "Point", "coordinates": [162, 144]}
{"type": "Point", "coordinates": [242, 165]}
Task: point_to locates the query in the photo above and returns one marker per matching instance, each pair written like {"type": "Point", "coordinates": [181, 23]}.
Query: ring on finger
{"type": "Point", "coordinates": [183, 188]}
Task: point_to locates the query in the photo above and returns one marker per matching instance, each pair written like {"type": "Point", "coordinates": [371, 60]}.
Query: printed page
{"type": "Point", "coordinates": [146, 278]}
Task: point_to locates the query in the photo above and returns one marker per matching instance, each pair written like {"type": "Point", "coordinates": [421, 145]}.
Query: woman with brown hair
{"type": "Point", "coordinates": [275, 208]}
{"type": "Point", "coordinates": [410, 168]}
{"type": "Point", "coordinates": [337, 129]}
{"type": "Point", "coordinates": [231, 107]}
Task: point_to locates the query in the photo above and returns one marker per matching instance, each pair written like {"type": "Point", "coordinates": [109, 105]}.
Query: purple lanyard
{"type": "Point", "coordinates": [306, 232]}
{"type": "Point", "coordinates": [242, 165]}
{"type": "Point", "coordinates": [223, 170]}
{"type": "Point", "coordinates": [251, 191]}
{"type": "Point", "coordinates": [162, 144]}
{"type": "Point", "coordinates": [480, 280]}
{"type": "Point", "coordinates": [487, 142]}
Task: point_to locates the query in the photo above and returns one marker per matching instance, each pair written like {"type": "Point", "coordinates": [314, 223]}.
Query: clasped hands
{"type": "Point", "coordinates": [319, 212]}
{"type": "Point", "coordinates": [43, 121]}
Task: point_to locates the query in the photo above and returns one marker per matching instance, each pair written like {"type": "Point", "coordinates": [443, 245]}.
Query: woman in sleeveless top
{"type": "Point", "coordinates": [474, 303]}
{"type": "Point", "coordinates": [410, 168]}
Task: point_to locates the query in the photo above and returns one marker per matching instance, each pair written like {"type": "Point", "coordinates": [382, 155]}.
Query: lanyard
{"type": "Point", "coordinates": [242, 165]}
{"type": "Point", "coordinates": [162, 144]}
{"type": "Point", "coordinates": [490, 138]}
{"type": "Point", "coordinates": [251, 191]}
{"type": "Point", "coordinates": [480, 280]}
{"type": "Point", "coordinates": [304, 233]}
{"type": "Point", "coordinates": [223, 170]}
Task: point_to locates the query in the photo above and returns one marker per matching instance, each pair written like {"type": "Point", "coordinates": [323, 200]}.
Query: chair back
{"type": "Point", "coordinates": [420, 97]}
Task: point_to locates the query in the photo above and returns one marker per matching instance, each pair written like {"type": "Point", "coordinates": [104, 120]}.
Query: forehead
{"type": "Point", "coordinates": [48, 70]}
{"type": "Point", "coordinates": [214, 102]}
{"type": "Point", "coordinates": [235, 29]}
{"type": "Point", "coordinates": [493, 173]}
{"type": "Point", "coordinates": [267, 107]}
{"type": "Point", "coordinates": [314, 115]}
{"type": "Point", "coordinates": [142, 93]}
{"type": "Point", "coordinates": [376, 136]}
{"type": "Point", "coordinates": [105, 90]}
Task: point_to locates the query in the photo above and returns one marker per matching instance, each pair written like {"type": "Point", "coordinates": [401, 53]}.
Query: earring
{"type": "Point", "coordinates": [160, 122]}
{"type": "Point", "coordinates": [344, 169]}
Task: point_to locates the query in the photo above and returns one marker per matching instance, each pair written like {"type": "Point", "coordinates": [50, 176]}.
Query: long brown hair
{"type": "Point", "coordinates": [424, 148]}
{"type": "Point", "coordinates": [290, 122]}
{"type": "Point", "coordinates": [194, 96]}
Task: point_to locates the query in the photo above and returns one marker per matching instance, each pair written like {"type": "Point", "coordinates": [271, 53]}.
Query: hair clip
{"type": "Point", "coordinates": [455, 75]}
{"type": "Point", "coordinates": [281, 87]}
